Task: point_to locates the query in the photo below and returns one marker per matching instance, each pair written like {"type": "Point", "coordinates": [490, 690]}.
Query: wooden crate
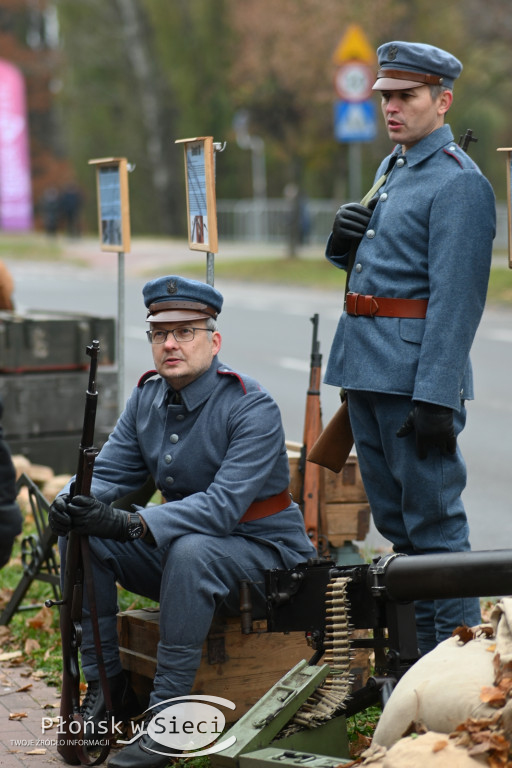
{"type": "Point", "coordinates": [237, 667]}
{"type": "Point", "coordinates": [345, 513]}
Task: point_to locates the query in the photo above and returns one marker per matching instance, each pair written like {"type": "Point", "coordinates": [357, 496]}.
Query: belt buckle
{"type": "Point", "coordinates": [369, 307]}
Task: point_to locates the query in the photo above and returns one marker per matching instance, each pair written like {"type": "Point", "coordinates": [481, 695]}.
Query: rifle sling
{"type": "Point", "coordinates": [366, 201]}
{"type": "Point", "coordinates": [81, 750]}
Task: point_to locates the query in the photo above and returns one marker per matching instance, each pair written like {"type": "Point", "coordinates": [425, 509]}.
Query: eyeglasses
{"type": "Point", "coordinates": [183, 334]}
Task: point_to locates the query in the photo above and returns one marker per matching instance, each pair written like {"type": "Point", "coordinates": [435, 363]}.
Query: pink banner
{"type": "Point", "coordinates": [15, 187]}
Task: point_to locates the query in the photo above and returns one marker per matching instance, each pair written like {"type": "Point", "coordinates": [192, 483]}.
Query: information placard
{"type": "Point", "coordinates": [113, 204]}
{"type": "Point", "coordinates": [200, 185]}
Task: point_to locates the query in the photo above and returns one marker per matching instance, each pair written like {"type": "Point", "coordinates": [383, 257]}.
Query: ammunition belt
{"type": "Point", "coordinates": [328, 697]}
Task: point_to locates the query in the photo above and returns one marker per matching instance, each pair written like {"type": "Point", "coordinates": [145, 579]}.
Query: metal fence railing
{"type": "Point", "coordinates": [269, 220]}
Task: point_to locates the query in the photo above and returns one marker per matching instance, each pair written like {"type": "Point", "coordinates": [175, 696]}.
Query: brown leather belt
{"type": "Point", "coordinates": [267, 507]}
{"type": "Point", "coordinates": [372, 306]}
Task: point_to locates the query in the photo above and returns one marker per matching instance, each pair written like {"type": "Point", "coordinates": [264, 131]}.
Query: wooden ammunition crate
{"type": "Point", "coordinates": [345, 513]}
{"type": "Point", "coordinates": [237, 667]}
{"type": "Point", "coordinates": [52, 341]}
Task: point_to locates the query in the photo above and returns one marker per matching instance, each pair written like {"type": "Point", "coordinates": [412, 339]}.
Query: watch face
{"type": "Point", "coordinates": [135, 527]}
{"type": "Point", "coordinates": [135, 531]}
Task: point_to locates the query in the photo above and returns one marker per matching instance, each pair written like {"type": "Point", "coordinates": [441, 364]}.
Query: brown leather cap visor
{"type": "Point", "coordinates": [400, 80]}
{"type": "Point", "coordinates": [171, 311]}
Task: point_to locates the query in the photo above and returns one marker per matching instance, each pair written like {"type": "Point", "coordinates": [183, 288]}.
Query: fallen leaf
{"type": "Point", "coordinates": [31, 645]}
{"type": "Point", "coordinates": [39, 674]}
{"type": "Point", "coordinates": [17, 715]}
{"type": "Point", "coordinates": [10, 655]}
{"type": "Point", "coordinates": [493, 696]}
{"type": "Point", "coordinates": [42, 620]}
{"type": "Point", "coordinates": [36, 752]}
{"type": "Point", "coordinates": [24, 688]}
{"type": "Point", "coordinates": [439, 745]}
{"type": "Point", "coordinates": [465, 634]}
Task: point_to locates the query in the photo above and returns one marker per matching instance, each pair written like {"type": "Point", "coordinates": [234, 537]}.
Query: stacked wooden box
{"type": "Point", "coordinates": [344, 509]}
{"type": "Point", "coordinates": [43, 381]}
{"type": "Point", "coordinates": [235, 666]}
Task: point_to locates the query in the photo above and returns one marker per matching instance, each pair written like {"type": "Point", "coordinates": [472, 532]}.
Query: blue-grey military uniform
{"type": "Point", "coordinates": [211, 456]}
{"type": "Point", "coordinates": [429, 237]}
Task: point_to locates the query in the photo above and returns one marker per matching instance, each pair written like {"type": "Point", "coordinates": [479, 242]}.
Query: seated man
{"type": "Point", "coordinates": [213, 441]}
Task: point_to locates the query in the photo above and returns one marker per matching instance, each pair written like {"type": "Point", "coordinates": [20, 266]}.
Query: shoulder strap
{"type": "Point", "coordinates": [366, 201]}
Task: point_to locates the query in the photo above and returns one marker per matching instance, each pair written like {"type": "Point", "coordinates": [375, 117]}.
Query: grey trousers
{"type": "Point", "coordinates": [191, 578]}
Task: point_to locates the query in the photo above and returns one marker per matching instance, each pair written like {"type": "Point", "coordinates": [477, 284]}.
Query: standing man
{"type": "Point", "coordinates": [421, 255]}
{"type": "Point", "coordinates": [213, 441]}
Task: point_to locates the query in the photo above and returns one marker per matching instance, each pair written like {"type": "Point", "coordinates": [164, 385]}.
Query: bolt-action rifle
{"type": "Point", "coordinates": [77, 574]}
{"type": "Point", "coordinates": [312, 473]}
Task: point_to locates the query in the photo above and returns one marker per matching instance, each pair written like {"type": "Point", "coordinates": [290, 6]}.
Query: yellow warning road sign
{"type": "Point", "coordinates": [354, 45]}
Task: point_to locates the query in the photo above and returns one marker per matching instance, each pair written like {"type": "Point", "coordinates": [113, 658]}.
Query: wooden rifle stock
{"type": "Point", "coordinates": [333, 446]}
{"type": "Point", "coordinates": [311, 494]}
{"type": "Point", "coordinates": [77, 574]}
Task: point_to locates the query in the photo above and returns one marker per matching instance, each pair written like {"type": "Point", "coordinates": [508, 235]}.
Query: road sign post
{"type": "Point", "coordinates": [355, 117]}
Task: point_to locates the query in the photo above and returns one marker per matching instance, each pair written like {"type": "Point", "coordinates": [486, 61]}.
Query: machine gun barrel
{"type": "Point", "coordinates": [443, 575]}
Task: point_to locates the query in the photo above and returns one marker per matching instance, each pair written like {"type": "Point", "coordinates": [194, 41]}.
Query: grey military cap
{"type": "Point", "coordinates": [408, 65]}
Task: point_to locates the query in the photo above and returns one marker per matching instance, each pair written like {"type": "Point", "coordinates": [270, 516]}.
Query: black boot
{"type": "Point", "coordinates": [141, 754]}
{"type": "Point", "coordinates": [94, 712]}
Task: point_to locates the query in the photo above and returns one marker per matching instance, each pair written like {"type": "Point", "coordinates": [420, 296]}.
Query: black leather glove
{"type": "Point", "coordinates": [59, 517]}
{"type": "Point", "coordinates": [433, 425]}
{"type": "Point", "coordinates": [94, 518]}
{"type": "Point", "coordinates": [350, 223]}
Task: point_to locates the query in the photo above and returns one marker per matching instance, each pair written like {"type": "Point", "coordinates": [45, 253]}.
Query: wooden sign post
{"type": "Point", "coordinates": [114, 230]}
{"type": "Point", "coordinates": [201, 201]}
{"type": "Point", "coordinates": [508, 150]}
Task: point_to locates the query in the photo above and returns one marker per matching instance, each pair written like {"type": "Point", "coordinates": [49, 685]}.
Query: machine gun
{"type": "Point", "coordinates": [378, 597]}
{"type": "Point", "coordinates": [77, 574]}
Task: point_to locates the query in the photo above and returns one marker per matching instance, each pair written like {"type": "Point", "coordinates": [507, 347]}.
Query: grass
{"type": "Point", "coordinates": [319, 274]}
{"type": "Point", "coordinates": [35, 630]}
{"type": "Point", "coordinates": [33, 246]}
{"type": "Point", "coordinates": [303, 271]}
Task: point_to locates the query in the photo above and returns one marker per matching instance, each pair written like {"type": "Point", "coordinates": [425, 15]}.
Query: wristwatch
{"type": "Point", "coordinates": [135, 526]}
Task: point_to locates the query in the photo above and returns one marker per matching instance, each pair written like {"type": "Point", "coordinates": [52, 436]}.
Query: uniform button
{"type": "Point", "coordinates": [180, 417]}
{"type": "Point", "coordinates": [400, 162]}
{"type": "Point", "coordinates": [358, 267]}
{"type": "Point", "coordinates": [169, 480]}
{"type": "Point", "coordinates": [174, 438]}
{"type": "Point", "coordinates": [384, 196]}
{"type": "Point", "coordinates": [168, 458]}
{"type": "Point", "coordinates": [452, 148]}
{"type": "Point", "coordinates": [370, 234]}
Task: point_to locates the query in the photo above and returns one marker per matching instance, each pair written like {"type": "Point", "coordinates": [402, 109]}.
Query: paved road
{"type": "Point", "coordinates": [267, 332]}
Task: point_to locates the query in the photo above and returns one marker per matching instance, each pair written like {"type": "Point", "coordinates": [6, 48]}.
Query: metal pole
{"type": "Point", "coordinates": [210, 257]}
{"type": "Point", "coordinates": [354, 170]}
{"type": "Point", "coordinates": [120, 330]}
